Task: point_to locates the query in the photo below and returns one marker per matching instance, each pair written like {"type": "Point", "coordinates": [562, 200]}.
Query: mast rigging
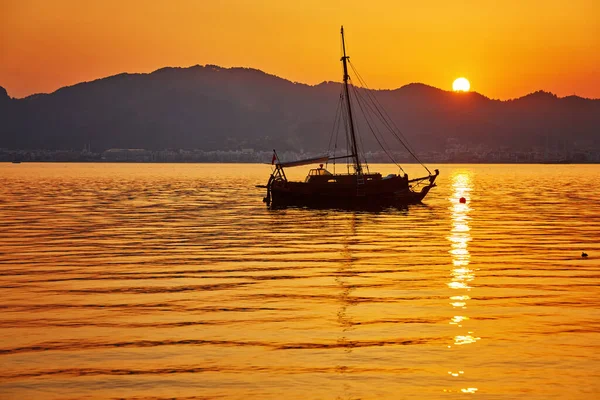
{"type": "Point", "coordinates": [357, 166]}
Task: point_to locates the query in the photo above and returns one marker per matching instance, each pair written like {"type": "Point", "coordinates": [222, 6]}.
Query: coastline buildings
{"type": "Point", "coordinates": [454, 152]}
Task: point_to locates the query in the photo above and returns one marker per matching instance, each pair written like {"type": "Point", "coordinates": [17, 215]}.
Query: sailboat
{"type": "Point", "coordinates": [358, 188]}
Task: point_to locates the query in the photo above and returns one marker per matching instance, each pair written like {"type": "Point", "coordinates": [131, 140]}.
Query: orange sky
{"type": "Point", "coordinates": [505, 48]}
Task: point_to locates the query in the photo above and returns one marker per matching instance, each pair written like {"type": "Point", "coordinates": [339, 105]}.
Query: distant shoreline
{"type": "Point", "coordinates": [252, 156]}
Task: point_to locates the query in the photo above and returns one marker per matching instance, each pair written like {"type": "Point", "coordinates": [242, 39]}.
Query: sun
{"type": "Point", "coordinates": [461, 85]}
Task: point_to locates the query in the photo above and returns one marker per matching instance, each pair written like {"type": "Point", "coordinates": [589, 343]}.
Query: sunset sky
{"type": "Point", "coordinates": [506, 49]}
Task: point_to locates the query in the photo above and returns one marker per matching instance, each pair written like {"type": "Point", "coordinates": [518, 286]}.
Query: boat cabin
{"type": "Point", "coordinates": [320, 174]}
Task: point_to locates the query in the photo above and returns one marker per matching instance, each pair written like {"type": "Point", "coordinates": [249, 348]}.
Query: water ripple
{"type": "Point", "coordinates": [130, 281]}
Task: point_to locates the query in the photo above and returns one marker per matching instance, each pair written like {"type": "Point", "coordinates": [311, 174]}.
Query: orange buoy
{"type": "Point", "coordinates": [463, 200]}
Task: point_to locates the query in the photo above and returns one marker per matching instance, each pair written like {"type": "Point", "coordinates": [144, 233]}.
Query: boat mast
{"type": "Point", "coordinates": [357, 166]}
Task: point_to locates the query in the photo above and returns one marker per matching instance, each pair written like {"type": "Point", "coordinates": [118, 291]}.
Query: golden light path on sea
{"type": "Point", "coordinates": [461, 275]}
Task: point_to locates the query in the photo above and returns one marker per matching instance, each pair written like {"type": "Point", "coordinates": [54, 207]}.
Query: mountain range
{"type": "Point", "coordinates": [214, 108]}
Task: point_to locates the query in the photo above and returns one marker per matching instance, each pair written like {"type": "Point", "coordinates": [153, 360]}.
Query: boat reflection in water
{"type": "Point", "coordinates": [461, 275]}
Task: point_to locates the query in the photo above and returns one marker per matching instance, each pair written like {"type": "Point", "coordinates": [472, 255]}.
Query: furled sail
{"type": "Point", "coordinates": [315, 160]}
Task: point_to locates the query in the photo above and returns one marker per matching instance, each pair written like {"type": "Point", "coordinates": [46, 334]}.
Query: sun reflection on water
{"type": "Point", "coordinates": [461, 275]}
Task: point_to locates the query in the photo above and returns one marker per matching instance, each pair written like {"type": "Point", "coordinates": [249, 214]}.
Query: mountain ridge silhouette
{"type": "Point", "coordinates": [211, 107]}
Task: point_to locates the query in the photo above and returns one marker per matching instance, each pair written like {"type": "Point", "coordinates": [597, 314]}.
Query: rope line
{"type": "Point", "coordinates": [360, 105]}
{"type": "Point", "coordinates": [385, 118]}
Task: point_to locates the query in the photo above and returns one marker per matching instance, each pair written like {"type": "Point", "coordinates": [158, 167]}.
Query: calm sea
{"type": "Point", "coordinates": [158, 281]}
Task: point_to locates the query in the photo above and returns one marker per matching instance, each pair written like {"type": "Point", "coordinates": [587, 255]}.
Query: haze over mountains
{"type": "Point", "coordinates": [210, 108]}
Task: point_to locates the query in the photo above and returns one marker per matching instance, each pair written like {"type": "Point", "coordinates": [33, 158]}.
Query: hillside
{"type": "Point", "coordinates": [209, 107]}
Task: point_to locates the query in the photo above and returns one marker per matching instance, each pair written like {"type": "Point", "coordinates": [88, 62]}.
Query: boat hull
{"type": "Point", "coordinates": [372, 195]}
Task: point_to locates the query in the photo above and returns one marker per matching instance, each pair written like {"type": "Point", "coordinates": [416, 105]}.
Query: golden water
{"type": "Point", "coordinates": [174, 281]}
